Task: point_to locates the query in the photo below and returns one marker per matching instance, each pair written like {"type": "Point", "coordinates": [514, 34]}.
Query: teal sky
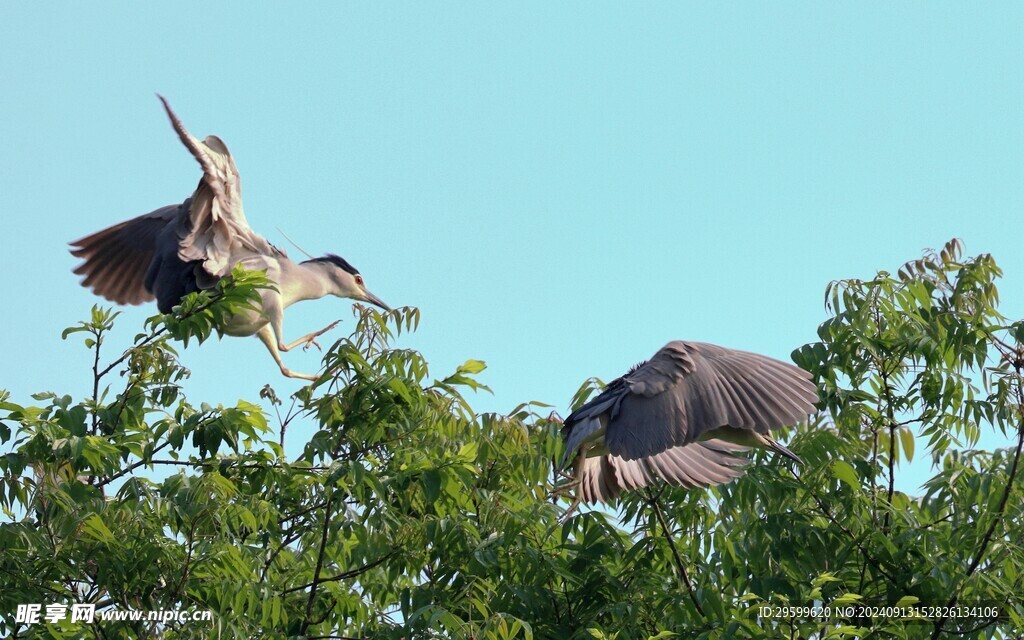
{"type": "Point", "coordinates": [560, 189]}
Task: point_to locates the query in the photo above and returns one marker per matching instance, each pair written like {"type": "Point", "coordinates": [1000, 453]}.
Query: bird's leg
{"type": "Point", "coordinates": [571, 510]}
{"type": "Point", "coordinates": [309, 339]}
{"type": "Point", "coordinates": [266, 335]}
{"type": "Point", "coordinates": [275, 313]}
{"type": "Point", "coordinates": [563, 488]}
{"type": "Point", "coordinates": [560, 491]}
{"type": "Point", "coordinates": [573, 483]}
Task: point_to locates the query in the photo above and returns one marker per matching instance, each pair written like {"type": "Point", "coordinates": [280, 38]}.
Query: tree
{"type": "Point", "coordinates": [408, 515]}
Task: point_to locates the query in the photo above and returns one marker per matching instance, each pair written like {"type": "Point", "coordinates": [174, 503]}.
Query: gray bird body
{"type": "Point", "coordinates": [682, 417]}
{"type": "Point", "coordinates": [179, 249]}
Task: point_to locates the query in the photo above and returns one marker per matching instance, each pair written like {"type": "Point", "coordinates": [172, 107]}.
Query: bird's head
{"type": "Point", "coordinates": [344, 280]}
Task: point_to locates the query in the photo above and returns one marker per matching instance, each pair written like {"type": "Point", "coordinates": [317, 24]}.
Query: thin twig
{"type": "Point", "coordinates": [131, 467]}
{"type": "Point", "coordinates": [653, 501]}
{"type": "Point", "coordinates": [236, 464]}
{"type": "Point", "coordinates": [319, 562]}
{"type": "Point", "coordinates": [891, 419]}
{"type": "Point", "coordinates": [352, 573]}
{"type": "Point", "coordinates": [96, 380]}
{"type": "Point", "coordinates": [156, 334]}
{"type": "Point", "coordinates": [856, 540]}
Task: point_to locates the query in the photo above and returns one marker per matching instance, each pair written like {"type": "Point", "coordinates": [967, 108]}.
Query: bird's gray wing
{"type": "Point", "coordinates": [115, 259]}
{"type": "Point", "coordinates": [218, 233]}
{"type": "Point", "coordinates": [696, 465]}
{"type": "Point", "coordinates": [690, 388]}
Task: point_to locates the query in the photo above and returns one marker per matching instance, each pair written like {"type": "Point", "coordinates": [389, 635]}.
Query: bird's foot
{"type": "Point", "coordinates": [562, 473]}
{"type": "Point", "coordinates": [563, 488]}
{"type": "Point", "coordinates": [571, 510]}
{"type": "Point", "coordinates": [311, 338]}
{"type": "Point", "coordinates": [311, 342]}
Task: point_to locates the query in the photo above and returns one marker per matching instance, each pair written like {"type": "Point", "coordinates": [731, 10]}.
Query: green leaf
{"type": "Point", "coordinates": [907, 601]}
{"type": "Point", "coordinates": [472, 366]}
{"type": "Point", "coordinates": [432, 484]}
{"type": "Point", "coordinates": [907, 439]}
{"type": "Point", "coordinates": [842, 470]}
{"type": "Point", "coordinates": [67, 332]}
{"type": "Point", "coordinates": [94, 527]}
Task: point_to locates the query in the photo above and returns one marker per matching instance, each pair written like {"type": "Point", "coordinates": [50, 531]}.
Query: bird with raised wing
{"type": "Point", "coordinates": [683, 417]}
{"type": "Point", "coordinates": [181, 248]}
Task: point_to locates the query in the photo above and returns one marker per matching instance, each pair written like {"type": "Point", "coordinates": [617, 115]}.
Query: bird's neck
{"type": "Point", "coordinates": [301, 282]}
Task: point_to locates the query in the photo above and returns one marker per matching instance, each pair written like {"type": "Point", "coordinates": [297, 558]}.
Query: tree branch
{"type": "Point", "coordinates": [96, 380]}
{"type": "Point", "coordinates": [653, 501]}
{"type": "Point", "coordinates": [891, 418]}
{"type": "Point", "coordinates": [352, 573]}
{"type": "Point", "coordinates": [853, 537]}
{"type": "Point", "coordinates": [156, 334]}
{"type": "Point", "coordinates": [131, 467]}
{"type": "Point", "coordinates": [319, 562]}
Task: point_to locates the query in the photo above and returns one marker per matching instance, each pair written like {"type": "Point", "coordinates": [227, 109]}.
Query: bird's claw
{"type": "Point", "coordinates": [561, 489]}
{"type": "Point", "coordinates": [311, 342]}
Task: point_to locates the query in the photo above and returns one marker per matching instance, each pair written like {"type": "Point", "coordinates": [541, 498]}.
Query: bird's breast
{"type": "Point", "coordinates": [246, 323]}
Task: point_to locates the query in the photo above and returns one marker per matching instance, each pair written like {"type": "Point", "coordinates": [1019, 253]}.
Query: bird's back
{"type": "Point", "coordinates": [168, 277]}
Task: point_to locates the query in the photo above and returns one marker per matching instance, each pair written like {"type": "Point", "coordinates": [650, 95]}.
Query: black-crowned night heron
{"type": "Point", "coordinates": [186, 247]}
{"type": "Point", "coordinates": [682, 417]}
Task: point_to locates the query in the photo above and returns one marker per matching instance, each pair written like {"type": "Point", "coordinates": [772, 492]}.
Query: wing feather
{"type": "Point", "coordinates": [114, 260]}
{"type": "Point", "coordinates": [695, 465]}
{"type": "Point", "coordinates": [690, 388]}
{"type": "Point", "coordinates": [597, 479]}
{"type": "Point", "coordinates": [219, 232]}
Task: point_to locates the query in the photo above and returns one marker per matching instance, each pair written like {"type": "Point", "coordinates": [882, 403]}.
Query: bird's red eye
{"type": "Point", "coordinates": [359, 280]}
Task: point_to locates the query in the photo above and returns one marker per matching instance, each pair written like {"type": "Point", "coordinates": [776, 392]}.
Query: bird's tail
{"type": "Point", "coordinates": [579, 434]}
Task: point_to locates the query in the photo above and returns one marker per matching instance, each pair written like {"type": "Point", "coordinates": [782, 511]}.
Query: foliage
{"type": "Point", "coordinates": [408, 515]}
